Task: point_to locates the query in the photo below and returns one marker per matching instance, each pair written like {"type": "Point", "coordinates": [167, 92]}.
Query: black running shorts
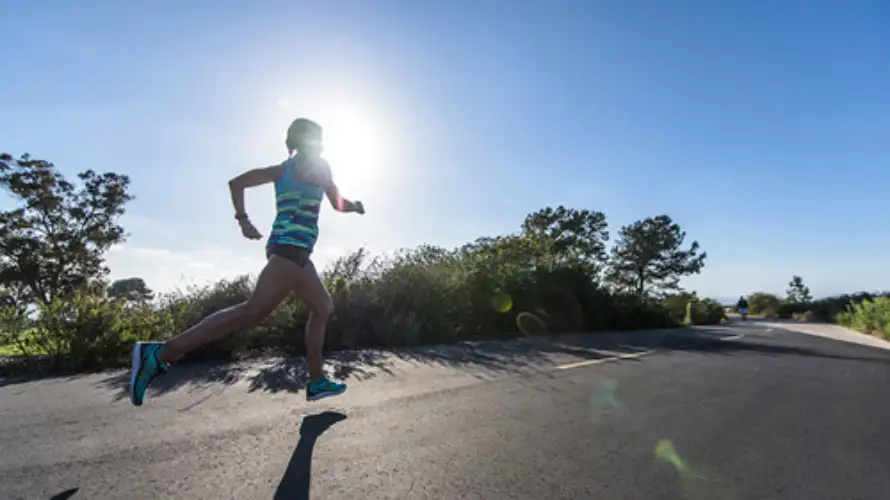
{"type": "Point", "coordinates": [293, 253]}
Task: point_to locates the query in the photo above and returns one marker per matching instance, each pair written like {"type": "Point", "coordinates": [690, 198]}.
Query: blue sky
{"type": "Point", "coordinates": [763, 128]}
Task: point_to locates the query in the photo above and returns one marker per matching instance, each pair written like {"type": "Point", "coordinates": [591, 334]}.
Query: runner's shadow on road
{"type": "Point", "coordinates": [65, 495]}
{"type": "Point", "coordinates": [297, 479]}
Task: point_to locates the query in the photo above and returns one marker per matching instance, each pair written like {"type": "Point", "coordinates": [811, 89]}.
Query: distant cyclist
{"type": "Point", "coordinates": [300, 182]}
{"type": "Point", "coordinates": [742, 306]}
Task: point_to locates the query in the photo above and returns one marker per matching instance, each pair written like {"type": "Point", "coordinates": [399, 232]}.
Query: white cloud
{"type": "Point", "coordinates": [164, 269]}
{"type": "Point", "coordinates": [201, 265]}
{"type": "Point", "coordinates": [158, 253]}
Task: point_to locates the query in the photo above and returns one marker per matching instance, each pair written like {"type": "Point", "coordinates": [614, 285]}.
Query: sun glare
{"type": "Point", "coordinates": [352, 149]}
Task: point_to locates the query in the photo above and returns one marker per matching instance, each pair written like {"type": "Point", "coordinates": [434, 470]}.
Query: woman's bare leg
{"type": "Point", "coordinates": [310, 288]}
{"type": "Point", "coordinates": [274, 283]}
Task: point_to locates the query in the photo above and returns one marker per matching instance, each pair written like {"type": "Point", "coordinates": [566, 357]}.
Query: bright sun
{"type": "Point", "coordinates": [351, 148]}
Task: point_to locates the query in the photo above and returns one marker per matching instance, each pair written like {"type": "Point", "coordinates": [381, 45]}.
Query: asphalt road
{"type": "Point", "coordinates": [734, 413]}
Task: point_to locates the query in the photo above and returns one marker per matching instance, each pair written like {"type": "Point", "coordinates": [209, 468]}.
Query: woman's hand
{"type": "Point", "coordinates": [249, 230]}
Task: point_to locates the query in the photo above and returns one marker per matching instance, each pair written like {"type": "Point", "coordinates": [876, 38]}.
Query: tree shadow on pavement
{"type": "Point", "coordinates": [533, 351]}
{"type": "Point", "coordinates": [516, 356]}
{"type": "Point", "coordinates": [297, 479]}
{"type": "Point", "coordinates": [271, 375]}
{"type": "Point", "coordinates": [290, 375]}
{"type": "Point", "coordinates": [723, 341]}
{"type": "Point", "coordinates": [528, 355]}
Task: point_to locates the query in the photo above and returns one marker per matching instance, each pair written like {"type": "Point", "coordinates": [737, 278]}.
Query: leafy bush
{"type": "Point", "coordinates": [425, 295]}
{"type": "Point", "coordinates": [701, 312]}
{"type": "Point", "coordinates": [709, 312]}
{"type": "Point", "coordinates": [16, 333]}
{"type": "Point", "coordinates": [870, 316]}
{"type": "Point", "coordinates": [87, 331]}
{"type": "Point", "coordinates": [828, 308]}
{"type": "Point", "coordinates": [765, 304]}
{"type": "Point", "coordinates": [790, 310]}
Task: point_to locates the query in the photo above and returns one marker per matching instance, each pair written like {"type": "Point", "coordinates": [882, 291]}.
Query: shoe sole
{"type": "Point", "coordinates": [134, 371]}
{"type": "Point", "coordinates": [322, 395]}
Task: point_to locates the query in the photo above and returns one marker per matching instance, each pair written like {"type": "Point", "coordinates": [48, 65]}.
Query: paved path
{"type": "Point", "coordinates": [825, 330]}
{"type": "Point", "coordinates": [741, 412]}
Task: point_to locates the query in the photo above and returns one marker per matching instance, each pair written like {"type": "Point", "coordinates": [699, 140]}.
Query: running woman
{"type": "Point", "coordinates": [301, 182]}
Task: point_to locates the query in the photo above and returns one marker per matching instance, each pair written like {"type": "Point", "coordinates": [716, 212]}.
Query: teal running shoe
{"type": "Point", "coordinates": [146, 366]}
{"type": "Point", "coordinates": [317, 389]}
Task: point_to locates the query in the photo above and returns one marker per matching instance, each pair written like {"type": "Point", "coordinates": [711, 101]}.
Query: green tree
{"type": "Point", "coordinates": [797, 292]}
{"type": "Point", "coordinates": [571, 235]}
{"type": "Point", "coordinates": [502, 258]}
{"type": "Point", "coordinates": [55, 240]}
{"type": "Point", "coordinates": [648, 257]}
{"type": "Point", "coordinates": [133, 289]}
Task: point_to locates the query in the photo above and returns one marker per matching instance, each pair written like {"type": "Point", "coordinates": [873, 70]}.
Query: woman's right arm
{"type": "Point", "coordinates": [251, 178]}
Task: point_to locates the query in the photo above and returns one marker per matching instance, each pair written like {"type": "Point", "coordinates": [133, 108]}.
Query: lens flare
{"type": "Point", "coordinates": [604, 395]}
{"type": "Point", "coordinates": [666, 451]}
{"type": "Point", "coordinates": [502, 302]}
{"type": "Point", "coordinates": [530, 324]}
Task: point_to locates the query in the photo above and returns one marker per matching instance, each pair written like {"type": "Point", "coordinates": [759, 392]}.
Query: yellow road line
{"type": "Point", "coordinates": [602, 360]}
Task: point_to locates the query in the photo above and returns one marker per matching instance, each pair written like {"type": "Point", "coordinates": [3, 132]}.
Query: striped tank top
{"type": "Point", "coordinates": [298, 205]}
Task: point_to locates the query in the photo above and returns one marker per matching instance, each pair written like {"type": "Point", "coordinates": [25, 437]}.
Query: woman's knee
{"type": "Point", "coordinates": [325, 308]}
